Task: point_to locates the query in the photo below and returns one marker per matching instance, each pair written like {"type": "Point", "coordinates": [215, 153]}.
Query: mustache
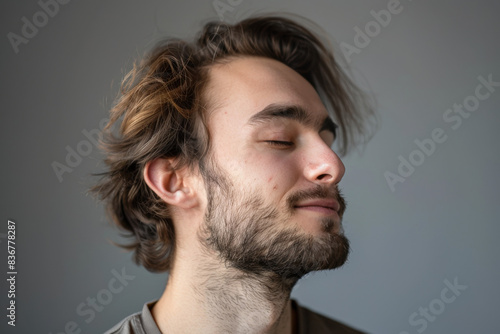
{"type": "Point", "coordinates": [318, 192]}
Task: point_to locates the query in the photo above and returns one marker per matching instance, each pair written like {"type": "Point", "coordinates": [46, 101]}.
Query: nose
{"type": "Point", "coordinates": [323, 165]}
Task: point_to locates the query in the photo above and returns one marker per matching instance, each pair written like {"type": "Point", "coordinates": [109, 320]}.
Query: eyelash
{"type": "Point", "coordinates": [279, 143]}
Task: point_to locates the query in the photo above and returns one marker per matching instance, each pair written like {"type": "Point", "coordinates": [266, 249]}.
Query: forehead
{"type": "Point", "coordinates": [240, 88]}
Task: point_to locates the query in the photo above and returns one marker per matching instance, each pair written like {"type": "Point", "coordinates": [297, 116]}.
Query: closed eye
{"type": "Point", "coordinates": [279, 143]}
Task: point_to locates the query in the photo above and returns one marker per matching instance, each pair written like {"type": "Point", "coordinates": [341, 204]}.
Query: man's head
{"type": "Point", "coordinates": [271, 174]}
{"type": "Point", "coordinates": [229, 140]}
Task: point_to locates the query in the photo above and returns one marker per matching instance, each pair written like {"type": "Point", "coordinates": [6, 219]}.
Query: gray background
{"type": "Point", "coordinates": [440, 224]}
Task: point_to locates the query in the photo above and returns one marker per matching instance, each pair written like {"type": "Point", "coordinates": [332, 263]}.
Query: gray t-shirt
{"type": "Point", "coordinates": [307, 320]}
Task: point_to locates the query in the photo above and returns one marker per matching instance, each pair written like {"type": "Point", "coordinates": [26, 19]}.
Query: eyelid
{"type": "Point", "coordinates": [281, 143]}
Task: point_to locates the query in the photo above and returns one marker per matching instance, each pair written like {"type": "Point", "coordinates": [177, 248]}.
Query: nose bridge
{"type": "Point", "coordinates": [322, 164]}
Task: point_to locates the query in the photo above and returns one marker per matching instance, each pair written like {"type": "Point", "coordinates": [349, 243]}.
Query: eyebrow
{"type": "Point", "coordinates": [293, 112]}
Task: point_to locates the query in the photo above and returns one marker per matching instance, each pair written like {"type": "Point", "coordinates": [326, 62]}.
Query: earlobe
{"type": "Point", "coordinates": [168, 183]}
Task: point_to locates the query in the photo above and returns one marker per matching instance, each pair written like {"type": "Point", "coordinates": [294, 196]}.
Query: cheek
{"type": "Point", "coordinates": [266, 172]}
{"type": "Point", "coordinates": [274, 175]}
{"type": "Point", "coordinates": [274, 184]}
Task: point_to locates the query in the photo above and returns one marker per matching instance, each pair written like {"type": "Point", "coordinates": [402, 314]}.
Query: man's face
{"type": "Point", "coordinates": [271, 179]}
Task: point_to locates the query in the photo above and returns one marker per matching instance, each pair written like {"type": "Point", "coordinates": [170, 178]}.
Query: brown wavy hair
{"type": "Point", "coordinates": [162, 112]}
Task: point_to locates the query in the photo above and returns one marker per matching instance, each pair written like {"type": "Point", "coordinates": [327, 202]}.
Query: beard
{"type": "Point", "coordinates": [259, 239]}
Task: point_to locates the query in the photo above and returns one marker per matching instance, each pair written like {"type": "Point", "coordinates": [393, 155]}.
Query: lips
{"type": "Point", "coordinates": [320, 204]}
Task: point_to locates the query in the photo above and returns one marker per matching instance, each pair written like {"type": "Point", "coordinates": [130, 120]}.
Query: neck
{"type": "Point", "coordinates": [223, 300]}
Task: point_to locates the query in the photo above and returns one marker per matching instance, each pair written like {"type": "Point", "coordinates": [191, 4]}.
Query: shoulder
{"type": "Point", "coordinates": [313, 322]}
{"type": "Point", "coordinates": [137, 323]}
{"type": "Point", "coordinates": [130, 325]}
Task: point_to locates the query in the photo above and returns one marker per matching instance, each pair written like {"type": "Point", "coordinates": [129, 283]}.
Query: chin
{"type": "Point", "coordinates": [321, 226]}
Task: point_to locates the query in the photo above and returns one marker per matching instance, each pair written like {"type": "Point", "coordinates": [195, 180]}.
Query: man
{"type": "Point", "coordinates": [223, 172]}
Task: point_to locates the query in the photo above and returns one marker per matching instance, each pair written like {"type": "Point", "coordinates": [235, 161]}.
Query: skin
{"type": "Point", "coordinates": [201, 287]}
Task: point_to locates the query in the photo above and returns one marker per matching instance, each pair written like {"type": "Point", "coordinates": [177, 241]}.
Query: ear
{"type": "Point", "coordinates": [171, 185]}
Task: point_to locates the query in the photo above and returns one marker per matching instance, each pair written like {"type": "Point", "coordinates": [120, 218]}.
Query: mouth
{"type": "Point", "coordinates": [326, 206]}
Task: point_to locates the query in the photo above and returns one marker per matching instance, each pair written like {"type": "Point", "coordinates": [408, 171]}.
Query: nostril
{"type": "Point", "coordinates": [324, 177]}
